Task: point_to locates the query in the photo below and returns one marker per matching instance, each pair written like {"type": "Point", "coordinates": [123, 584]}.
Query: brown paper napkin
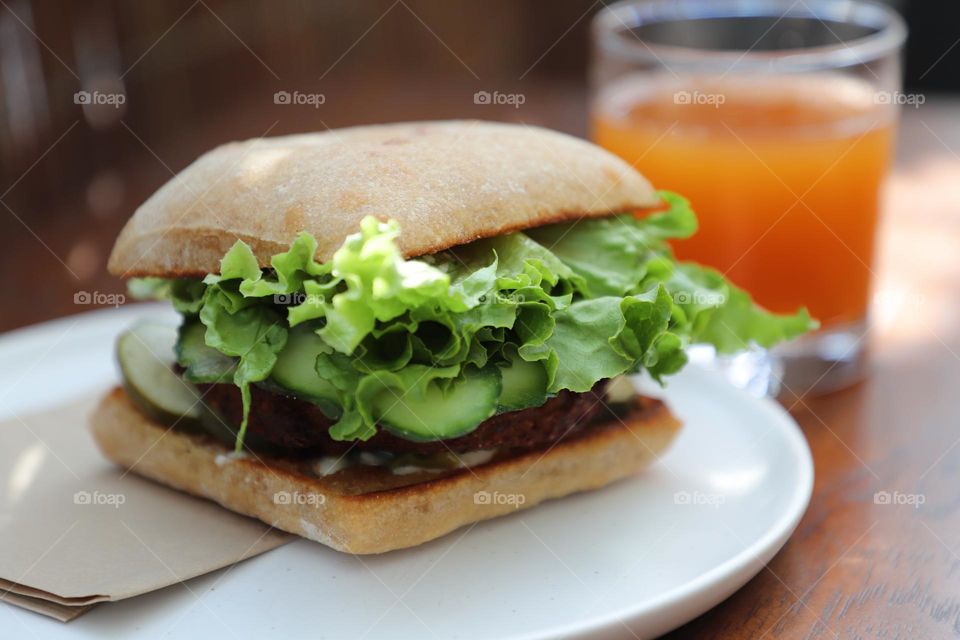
{"type": "Point", "coordinates": [76, 530]}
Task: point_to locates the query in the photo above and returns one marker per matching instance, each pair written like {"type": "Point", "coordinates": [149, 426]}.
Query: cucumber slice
{"type": "Point", "coordinates": [440, 414]}
{"type": "Point", "coordinates": [146, 355]}
{"type": "Point", "coordinates": [202, 363]}
{"type": "Point", "coordinates": [296, 370]}
{"type": "Point", "coordinates": [524, 385]}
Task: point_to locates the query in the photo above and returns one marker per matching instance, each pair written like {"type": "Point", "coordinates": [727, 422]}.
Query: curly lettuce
{"type": "Point", "coordinates": [558, 307]}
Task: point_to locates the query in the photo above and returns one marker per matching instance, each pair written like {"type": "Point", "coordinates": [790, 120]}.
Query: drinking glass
{"type": "Point", "coordinates": [776, 119]}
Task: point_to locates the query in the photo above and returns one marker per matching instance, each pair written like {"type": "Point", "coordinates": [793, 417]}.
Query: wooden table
{"type": "Point", "coordinates": [854, 568]}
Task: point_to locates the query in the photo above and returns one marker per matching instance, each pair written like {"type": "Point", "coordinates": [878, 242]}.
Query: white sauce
{"type": "Point", "coordinates": [224, 459]}
{"type": "Point", "coordinates": [621, 389]}
{"type": "Point", "coordinates": [328, 465]}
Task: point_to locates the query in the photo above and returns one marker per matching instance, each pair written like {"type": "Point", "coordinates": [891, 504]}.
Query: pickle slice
{"type": "Point", "coordinates": [146, 356]}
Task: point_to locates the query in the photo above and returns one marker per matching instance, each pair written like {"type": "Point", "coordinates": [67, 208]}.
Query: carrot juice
{"type": "Point", "coordinates": [784, 174]}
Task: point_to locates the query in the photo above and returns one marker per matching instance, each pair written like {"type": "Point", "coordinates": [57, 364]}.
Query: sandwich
{"type": "Point", "coordinates": [390, 332]}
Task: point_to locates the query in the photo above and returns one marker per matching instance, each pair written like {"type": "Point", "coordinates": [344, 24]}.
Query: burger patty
{"type": "Point", "coordinates": [291, 426]}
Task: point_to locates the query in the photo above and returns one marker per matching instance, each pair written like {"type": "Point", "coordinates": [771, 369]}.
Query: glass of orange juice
{"type": "Point", "coordinates": [776, 119]}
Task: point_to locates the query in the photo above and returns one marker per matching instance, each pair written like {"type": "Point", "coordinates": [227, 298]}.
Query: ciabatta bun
{"type": "Point", "coordinates": [447, 183]}
{"type": "Point", "coordinates": [371, 510]}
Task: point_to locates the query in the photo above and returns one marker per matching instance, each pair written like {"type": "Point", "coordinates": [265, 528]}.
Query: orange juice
{"type": "Point", "coordinates": [784, 174]}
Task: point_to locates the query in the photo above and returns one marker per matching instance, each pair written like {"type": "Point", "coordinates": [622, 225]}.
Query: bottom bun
{"type": "Point", "coordinates": [369, 509]}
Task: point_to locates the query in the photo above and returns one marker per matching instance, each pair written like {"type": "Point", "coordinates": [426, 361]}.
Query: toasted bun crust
{"type": "Point", "coordinates": [368, 510]}
{"type": "Point", "coordinates": [447, 183]}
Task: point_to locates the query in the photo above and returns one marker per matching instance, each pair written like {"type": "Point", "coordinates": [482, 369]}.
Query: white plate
{"type": "Point", "coordinates": [646, 554]}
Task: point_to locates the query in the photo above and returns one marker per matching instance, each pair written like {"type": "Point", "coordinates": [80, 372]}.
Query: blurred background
{"type": "Point", "coordinates": [102, 101]}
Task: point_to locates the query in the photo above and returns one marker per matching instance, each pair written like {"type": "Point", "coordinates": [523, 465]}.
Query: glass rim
{"type": "Point", "coordinates": [610, 24]}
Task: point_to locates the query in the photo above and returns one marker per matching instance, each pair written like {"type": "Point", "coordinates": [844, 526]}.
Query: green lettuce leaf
{"type": "Point", "coordinates": [559, 307]}
{"type": "Point", "coordinates": [612, 254]}
{"type": "Point", "coordinates": [254, 333]}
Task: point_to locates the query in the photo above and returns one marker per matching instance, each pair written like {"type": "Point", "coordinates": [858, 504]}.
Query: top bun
{"type": "Point", "coordinates": [446, 183]}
